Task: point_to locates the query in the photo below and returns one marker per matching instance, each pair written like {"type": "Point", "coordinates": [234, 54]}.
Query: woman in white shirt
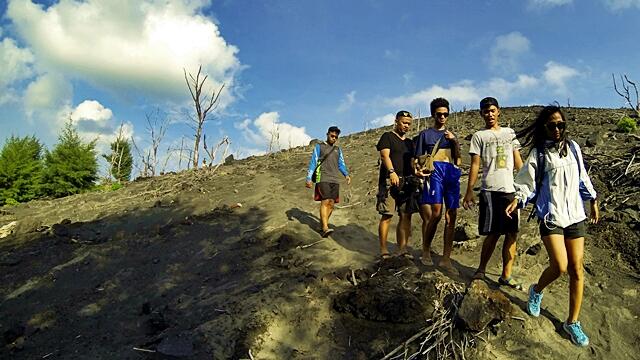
{"type": "Point", "coordinates": [557, 183]}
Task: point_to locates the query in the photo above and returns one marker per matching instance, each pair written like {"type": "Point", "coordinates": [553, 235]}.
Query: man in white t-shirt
{"type": "Point", "coordinates": [499, 152]}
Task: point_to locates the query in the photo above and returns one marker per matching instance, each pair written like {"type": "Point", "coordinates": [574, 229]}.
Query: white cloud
{"type": "Point", "coordinates": [92, 110]}
{"type": "Point", "coordinates": [95, 121]}
{"type": "Point", "coordinates": [540, 4]}
{"type": "Point", "coordinates": [243, 125]}
{"type": "Point", "coordinates": [47, 93]}
{"type": "Point", "coordinates": [557, 75]}
{"type": "Point", "coordinates": [347, 102]}
{"type": "Point", "coordinates": [502, 88]}
{"type": "Point", "coordinates": [407, 77]}
{"type": "Point", "coordinates": [553, 79]}
{"type": "Point", "coordinates": [130, 45]}
{"type": "Point", "coordinates": [392, 54]}
{"type": "Point", "coordinates": [383, 120]}
{"type": "Point", "coordinates": [463, 92]}
{"type": "Point", "coordinates": [617, 5]}
{"type": "Point", "coordinates": [267, 130]}
{"type": "Point", "coordinates": [16, 62]}
{"type": "Point", "coordinates": [507, 50]}
{"type": "Point", "coordinates": [17, 65]}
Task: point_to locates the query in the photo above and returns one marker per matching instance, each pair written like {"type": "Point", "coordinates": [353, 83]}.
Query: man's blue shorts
{"type": "Point", "coordinates": [444, 186]}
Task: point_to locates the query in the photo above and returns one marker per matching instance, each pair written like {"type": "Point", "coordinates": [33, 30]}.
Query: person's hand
{"type": "Point", "coordinates": [308, 184]}
{"type": "Point", "coordinates": [348, 179]}
{"type": "Point", "coordinates": [594, 214]}
{"type": "Point", "coordinates": [468, 202]}
{"type": "Point", "coordinates": [511, 208]}
{"type": "Point", "coordinates": [395, 179]}
{"type": "Point", "coordinates": [449, 135]}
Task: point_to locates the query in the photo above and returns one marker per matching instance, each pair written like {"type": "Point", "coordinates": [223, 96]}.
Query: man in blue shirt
{"type": "Point", "coordinates": [443, 183]}
{"type": "Point", "coordinates": [330, 160]}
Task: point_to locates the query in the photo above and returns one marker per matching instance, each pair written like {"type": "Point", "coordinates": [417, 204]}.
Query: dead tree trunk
{"type": "Point", "coordinates": [625, 93]}
{"type": "Point", "coordinates": [157, 124]}
{"type": "Point", "coordinates": [213, 152]}
{"type": "Point", "coordinates": [202, 104]}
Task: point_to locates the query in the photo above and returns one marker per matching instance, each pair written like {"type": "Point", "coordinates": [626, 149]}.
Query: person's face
{"type": "Point", "coordinates": [332, 137]}
{"type": "Point", "coordinates": [441, 115]}
{"type": "Point", "coordinates": [490, 115]}
{"type": "Point", "coordinates": [403, 124]}
{"type": "Point", "coordinates": [555, 127]}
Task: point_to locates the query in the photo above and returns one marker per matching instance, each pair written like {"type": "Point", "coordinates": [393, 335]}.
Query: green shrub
{"type": "Point", "coordinates": [71, 167]}
{"type": "Point", "coordinates": [116, 186]}
{"type": "Point", "coordinates": [20, 169]}
{"type": "Point", "coordinates": [627, 125]}
{"type": "Point", "coordinates": [11, 202]}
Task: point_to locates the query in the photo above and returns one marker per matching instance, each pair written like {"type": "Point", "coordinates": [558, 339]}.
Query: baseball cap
{"type": "Point", "coordinates": [334, 129]}
{"type": "Point", "coordinates": [403, 113]}
{"type": "Point", "coordinates": [488, 101]}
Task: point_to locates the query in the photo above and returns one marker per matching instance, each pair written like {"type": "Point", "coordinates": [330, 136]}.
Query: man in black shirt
{"type": "Point", "coordinates": [396, 175]}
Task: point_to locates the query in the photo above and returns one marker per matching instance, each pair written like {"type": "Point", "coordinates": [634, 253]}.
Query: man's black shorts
{"type": "Point", "coordinates": [493, 219]}
{"type": "Point", "coordinates": [327, 191]}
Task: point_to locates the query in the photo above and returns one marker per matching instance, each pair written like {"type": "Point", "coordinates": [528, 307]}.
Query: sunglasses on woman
{"type": "Point", "coordinates": [552, 126]}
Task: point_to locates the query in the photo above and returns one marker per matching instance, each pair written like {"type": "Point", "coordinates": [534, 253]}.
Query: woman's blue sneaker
{"type": "Point", "coordinates": [578, 336]}
{"type": "Point", "coordinates": [533, 304]}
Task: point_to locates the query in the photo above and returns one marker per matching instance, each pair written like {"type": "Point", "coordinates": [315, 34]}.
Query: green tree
{"type": "Point", "coordinates": [72, 166]}
{"type": "Point", "coordinates": [120, 160]}
{"type": "Point", "coordinates": [20, 169]}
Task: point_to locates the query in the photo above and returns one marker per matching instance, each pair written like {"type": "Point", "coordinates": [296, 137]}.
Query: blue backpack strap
{"type": "Point", "coordinates": [572, 146]}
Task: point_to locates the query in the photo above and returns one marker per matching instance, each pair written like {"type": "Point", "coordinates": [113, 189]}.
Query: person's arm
{"type": "Point", "coordinates": [517, 157]}
{"type": "Point", "coordinates": [342, 166]}
{"type": "Point", "coordinates": [419, 146]}
{"type": "Point", "coordinates": [313, 163]}
{"type": "Point", "coordinates": [517, 160]}
{"type": "Point", "coordinates": [469, 200]}
{"type": "Point", "coordinates": [525, 183]}
{"type": "Point", "coordinates": [456, 151]}
{"type": "Point", "coordinates": [386, 162]}
{"type": "Point", "coordinates": [418, 151]}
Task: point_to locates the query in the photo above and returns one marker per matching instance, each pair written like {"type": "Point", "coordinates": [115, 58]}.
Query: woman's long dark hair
{"type": "Point", "coordinates": [535, 134]}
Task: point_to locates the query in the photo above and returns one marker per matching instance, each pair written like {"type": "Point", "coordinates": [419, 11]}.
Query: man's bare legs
{"type": "Point", "coordinates": [575, 268]}
{"type": "Point", "coordinates": [488, 246]}
{"type": "Point", "coordinates": [430, 230]}
{"type": "Point", "coordinates": [326, 208]}
{"type": "Point", "coordinates": [508, 254]}
{"type": "Point", "coordinates": [449, 232]}
{"type": "Point", "coordinates": [383, 232]}
{"type": "Point", "coordinates": [425, 214]}
{"type": "Point", "coordinates": [403, 232]}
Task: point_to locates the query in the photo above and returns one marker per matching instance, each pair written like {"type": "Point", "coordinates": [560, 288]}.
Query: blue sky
{"type": "Point", "coordinates": [296, 67]}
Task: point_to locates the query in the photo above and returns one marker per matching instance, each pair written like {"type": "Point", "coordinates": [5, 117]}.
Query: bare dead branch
{"type": "Point", "coordinates": [625, 92]}
{"type": "Point", "coordinates": [202, 105]}
{"type": "Point", "coordinates": [156, 128]}
{"type": "Point", "coordinates": [212, 153]}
